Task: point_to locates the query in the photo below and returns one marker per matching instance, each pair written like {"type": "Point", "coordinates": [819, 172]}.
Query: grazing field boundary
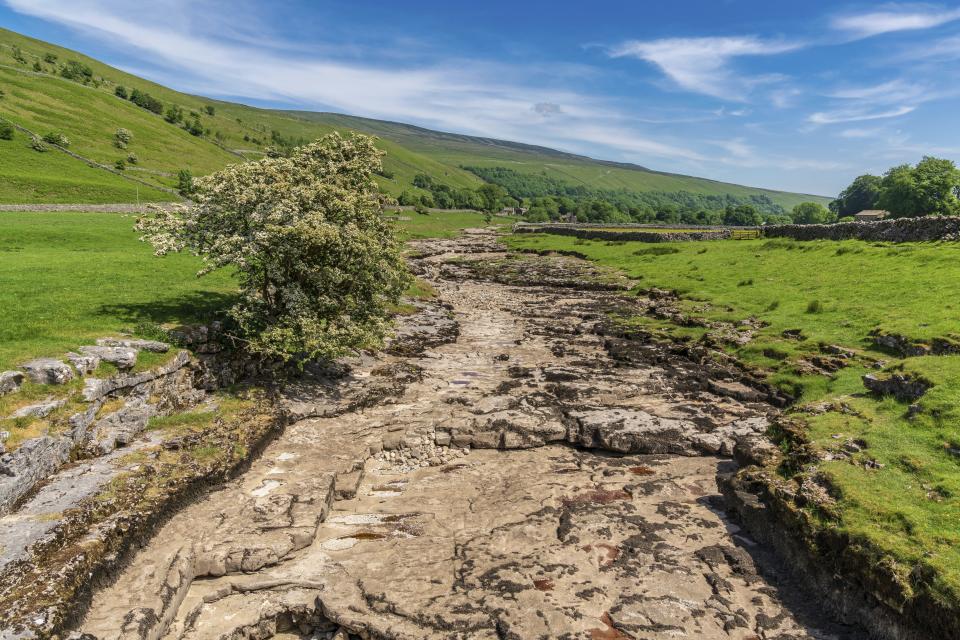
{"type": "Point", "coordinates": [622, 233]}
{"type": "Point", "coordinates": [926, 229]}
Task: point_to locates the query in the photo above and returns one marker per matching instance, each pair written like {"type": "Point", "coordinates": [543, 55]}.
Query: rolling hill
{"type": "Point", "coordinates": [47, 89]}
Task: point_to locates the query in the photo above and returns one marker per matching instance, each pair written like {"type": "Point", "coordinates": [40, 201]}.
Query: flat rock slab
{"type": "Point", "coordinates": [48, 371]}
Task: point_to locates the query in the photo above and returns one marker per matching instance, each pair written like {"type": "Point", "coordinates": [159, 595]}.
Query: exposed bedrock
{"type": "Point", "coordinates": [497, 473]}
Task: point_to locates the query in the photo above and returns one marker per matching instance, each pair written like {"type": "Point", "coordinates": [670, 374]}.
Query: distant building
{"type": "Point", "coordinates": [871, 215]}
{"type": "Point", "coordinates": [514, 211]}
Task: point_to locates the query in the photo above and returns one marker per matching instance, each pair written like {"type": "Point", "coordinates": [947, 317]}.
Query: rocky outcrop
{"type": "Point", "coordinates": [48, 371]}
{"type": "Point", "coordinates": [905, 387]}
{"type": "Point", "coordinates": [10, 381]}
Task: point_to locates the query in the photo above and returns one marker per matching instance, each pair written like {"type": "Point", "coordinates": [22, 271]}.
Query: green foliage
{"type": "Point", "coordinates": [185, 182]}
{"type": "Point", "coordinates": [77, 71]}
{"type": "Point", "coordinates": [211, 111]}
{"type": "Point", "coordinates": [744, 215]}
{"type": "Point", "coordinates": [811, 213]}
{"type": "Point", "coordinates": [57, 138]}
{"type": "Point", "coordinates": [37, 144]}
{"type": "Point", "coordinates": [120, 165]}
{"type": "Point", "coordinates": [931, 187]}
{"type": "Point", "coordinates": [6, 130]}
{"type": "Point", "coordinates": [50, 58]}
{"type": "Point", "coordinates": [814, 306]}
{"type": "Point", "coordinates": [862, 194]}
{"type": "Point", "coordinates": [132, 158]}
{"type": "Point", "coordinates": [17, 53]}
{"type": "Point", "coordinates": [121, 92]}
{"type": "Point", "coordinates": [173, 114]}
{"type": "Point", "coordinates": [193, 127]}
{"type": "Point", "coordinates": [146, 101]}
{"type": "Point", "coordinates": [318, 265]}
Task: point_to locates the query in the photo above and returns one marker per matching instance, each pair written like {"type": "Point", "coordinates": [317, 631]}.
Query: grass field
{"type": "Point", "coordinates": [89, 116]}
{"type": "Point", "coordinates": [446, 224]}
{"type": "Point", "coordinates": [69, 278]}
{"type": "Point", "coordinates": [837, 293]}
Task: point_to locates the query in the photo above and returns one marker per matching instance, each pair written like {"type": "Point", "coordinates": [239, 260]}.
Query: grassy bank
{"type": "Point", "coordinates": [898, 492]}
{"type": "Point", "coordinates": [69, 278]}
{"type": "Point", "coordinates": [411, 225]}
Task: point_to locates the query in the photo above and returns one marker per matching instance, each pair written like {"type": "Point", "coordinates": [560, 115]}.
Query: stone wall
{"type": "Point", "coordinates": [927, 229]}
{"type": "Point", "coordinates": [634, 234]}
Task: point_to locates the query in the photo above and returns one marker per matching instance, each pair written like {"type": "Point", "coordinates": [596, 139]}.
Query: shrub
{"type": "Point", "coordinates": [57, 138]}
{"type": "Point", "coordinates": [120, 165]}
{"type": "Point", "coordinates": [174, 114]}
{"type": "Point", "coordinates": [185, 183]}
{"type": "Point", "coordinates": [120, 92]}
{"type": "Point", "coordinates": [146, 101]}
{"type": "Point", "coordinates": [6, 130]}
{"type": "Point", "coordinates": [656, 250]}
{"type": "Point", "coordinates": [814, 306]}
{"type": "Point", "coordinates": [210, 110]}
{"type": "Point", "coordinates": [36, 143]}
{"type": "Point", "coordinates": [38, 67]}
{"type": "Point", "coordinates": [122, 137]}
{"type": "Point", "coordinates": [50, 58]}
{"type": "Point", "coordinates": [18, 55]}
{"type": "Point", "coordinates": [132, 158]}
{"type": "Point", "coordinates": [194, 128]}
{"type": "Point", "coordinates": [77, 71]}
{"type": "Point", "coordinates": [318, 265]}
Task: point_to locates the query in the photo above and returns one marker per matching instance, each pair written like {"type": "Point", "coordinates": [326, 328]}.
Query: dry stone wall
{"type": "Point", "coordinates": [928, 229]}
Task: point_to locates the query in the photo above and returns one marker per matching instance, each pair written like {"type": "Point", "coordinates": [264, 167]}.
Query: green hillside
{"type": "Point", "coordinates": [83, 106]}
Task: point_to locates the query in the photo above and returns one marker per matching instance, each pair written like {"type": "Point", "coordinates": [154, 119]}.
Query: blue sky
{"type": "Point", "coordinates": [788, 95]}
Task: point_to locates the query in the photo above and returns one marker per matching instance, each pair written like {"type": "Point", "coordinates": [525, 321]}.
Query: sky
{"type": "Point", "coordinates": [799, 96]}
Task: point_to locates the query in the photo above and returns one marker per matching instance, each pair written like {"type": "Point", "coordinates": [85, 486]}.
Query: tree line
{"type": "Point", "coordinates": [931, 187]}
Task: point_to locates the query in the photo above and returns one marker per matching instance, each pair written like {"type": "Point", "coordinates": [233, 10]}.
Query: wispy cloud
{"type": "Point", "coordinates": [893, 18]}
{"type": "Point", "coordinates": [459, 95]}
{"type": "Point", "coordinates": [703, 65]}
{"type": "Point", "coordinates": [856, 115]}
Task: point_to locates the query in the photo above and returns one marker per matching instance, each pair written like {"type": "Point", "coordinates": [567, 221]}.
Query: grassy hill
{"type": "Point", "coordinates": [38, 98]}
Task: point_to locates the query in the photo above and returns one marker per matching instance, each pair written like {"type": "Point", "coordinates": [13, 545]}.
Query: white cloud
{"type": "Point", "coordinates": [894, 18]}
{"type": "Point", "coordinates": [861, 133]}
{"type": "Point", "coordinates": [886, 92]}
{"type": "Point", "coordinates": [464, 96]}
{"type": "Point", "coordinates": [856, 115]}
{"type": "Point", "coordinates": [702, 65]}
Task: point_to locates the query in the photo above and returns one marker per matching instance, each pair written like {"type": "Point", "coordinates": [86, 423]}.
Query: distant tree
{"type": "Point", "coordinates": [122, 137]}
{"type": "Point", "coordinates": [744, 215]}
{"type": "Point", "coordinates": [173, 114]}
{"type": "Point", "coordinates": [132, 158]}
{"type": "Point", "coordinates": [938, 185]}
{"type": "Point", "coordinates": [6, 130]}
{"type": "Point", "coordinates": [120, 91]}
{"type": "Point", "coordinates": [407, 199]}
{"type": "Point", "coordinates": [50, 58]}
{"type": "Point", "coordinates": [898, 192]}
{"type": "Point", "coordinates": [37, 67]}
{"type": "Point", "coordinates": [57, 138]}
{"type": "Point", "coordinates": [194, 128]}
{"type": "Point", "coordinates": [77, 71]}
{"type": "Point", "coordinates": [210, 110]}
{"type": "Point", "coordinates": [18, 55]}
{"type": "Point", "coordinates": [36, 143]}
{"type": "Point", "coordinates": [318, 266]}
{"type": "Point", "coordinates": [185, 183]}
{"type": "Point", "coordinates": [120, 165]}
{"type": "Point", "coordinates": [491, 197]}
{"type": "Point", "coordinates": [811, 213]}
{"type": "Point", "coordinates": [146, 101]}
{"type": "Point", "coordinates": [862, 194]}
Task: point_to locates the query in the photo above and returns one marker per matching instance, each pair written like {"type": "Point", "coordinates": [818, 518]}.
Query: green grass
{"type": "Point", "coordinates": [89, 116]}
{"type": "Point", "coordinates": [836, 293]}
{"type": "Point", "coordinates": [69, 278]}
{"type": "Point", "coordinates": [411, 225]}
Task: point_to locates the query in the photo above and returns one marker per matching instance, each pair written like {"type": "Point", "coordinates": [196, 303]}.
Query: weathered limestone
{"type": "Point", "coordinates": [121, 357]}
{"type": "Point", "coordinates": [40, 410]}
{"type": "Point", "coordinates": [131, 343]}
{"type": "Point", "coordinates": [487, 487]}
{"type": "Point", "coordinates": [10, 381]}
{"type": "Point", "coordinates": [48, 371]}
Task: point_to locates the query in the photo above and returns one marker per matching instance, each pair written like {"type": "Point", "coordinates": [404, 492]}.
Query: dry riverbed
{"type": "Point", "coordinates": [508, 469]}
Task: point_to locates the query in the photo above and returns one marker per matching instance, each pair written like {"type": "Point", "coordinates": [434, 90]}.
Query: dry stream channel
{"type": "Point", "coordinates": [519, 481]}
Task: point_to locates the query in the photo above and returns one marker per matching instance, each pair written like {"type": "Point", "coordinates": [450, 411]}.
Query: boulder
{"type": "Point", "coordinates": [40, 410]}
{"type": "Point", "coordinates": [131, 343]}
{"type": "Point", "coordinates": [84, 363]}
{"type": "Point", "coordinates": [10, 381]}
{"type": "Point", "coordinates": [121, 357]}
{"type": "Point", "coordinates": [902, 386]}
{"type": "Point", "coordinates": [48, 371]}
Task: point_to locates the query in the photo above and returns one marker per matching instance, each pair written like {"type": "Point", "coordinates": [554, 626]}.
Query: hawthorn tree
{"type": "Point", "coordinates": [318, 265]}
